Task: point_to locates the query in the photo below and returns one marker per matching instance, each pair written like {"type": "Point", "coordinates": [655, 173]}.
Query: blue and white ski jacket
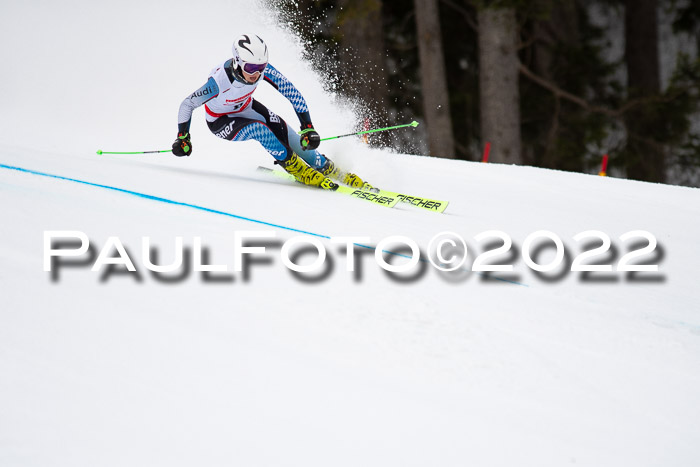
{"type": "Point", "coordinates": [224, 95]}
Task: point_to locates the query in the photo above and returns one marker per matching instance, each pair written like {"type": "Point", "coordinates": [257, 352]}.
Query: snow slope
{"type": "Point", "coordinates": [342, 368]}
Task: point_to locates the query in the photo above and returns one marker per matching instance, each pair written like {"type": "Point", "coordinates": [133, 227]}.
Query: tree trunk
{"type": "Point", "coordinates": [498, 84]}
{"type": "Point", "coordinates": [645, 160]}
{"type": "Point", "coordinates": [362, 54]}
{"type": "Point", "coordinates": [436, 99]}
{"type": "Point", "coordinates": [560, 27]}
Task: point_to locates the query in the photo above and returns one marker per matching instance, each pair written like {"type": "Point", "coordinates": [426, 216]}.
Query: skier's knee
{"type": "Point", "coordinates": [262, 134]}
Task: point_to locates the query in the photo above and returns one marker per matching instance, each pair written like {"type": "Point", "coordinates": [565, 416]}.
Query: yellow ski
{"type": "Point", "coordinates": [381, 198]}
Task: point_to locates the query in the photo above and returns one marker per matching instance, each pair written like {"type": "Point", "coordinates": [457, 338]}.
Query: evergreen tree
{"type": "Point", "coordinates": [575, 101]}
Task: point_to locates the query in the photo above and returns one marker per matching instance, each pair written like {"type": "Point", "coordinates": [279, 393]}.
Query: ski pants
{"type": "Point", "coordinates": [269, 129]}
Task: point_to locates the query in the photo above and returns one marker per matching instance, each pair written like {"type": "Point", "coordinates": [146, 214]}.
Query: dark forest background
{"type": "Point", "coordinates": [549, 83]}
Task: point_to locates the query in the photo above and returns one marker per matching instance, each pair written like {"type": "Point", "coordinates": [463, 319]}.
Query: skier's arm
{"type": "Point", "coordinates": [182, 145]}
{"type": "Point", "coordinates": [197, 98]}
{"type": "Point", "coordinates": [309, 136]}
{"type": "Point", "coordinates": [288, 90]}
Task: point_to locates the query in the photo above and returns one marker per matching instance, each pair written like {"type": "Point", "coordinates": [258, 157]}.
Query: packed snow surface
{"type": "Point", "coordinates": [266, 367]}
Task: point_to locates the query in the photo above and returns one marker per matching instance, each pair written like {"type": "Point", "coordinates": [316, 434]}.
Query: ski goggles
{"type": "Point", "coordinates": [252, 68]}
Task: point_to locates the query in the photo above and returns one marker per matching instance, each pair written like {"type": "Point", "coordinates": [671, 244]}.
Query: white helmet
{"type": "Point", "coordinates": [249, 55]}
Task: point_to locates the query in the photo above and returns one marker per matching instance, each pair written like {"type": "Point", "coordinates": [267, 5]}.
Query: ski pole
{"type": "Point", "coordinates": [412, 124]}
{"type": "Point", "coordinates": [99, 152]}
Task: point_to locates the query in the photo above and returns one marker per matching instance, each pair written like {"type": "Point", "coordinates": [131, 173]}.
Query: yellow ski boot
{"type": "Point", "coordinates": [347, 178]}
{"type": "Point", "coordinates": [305, 174]}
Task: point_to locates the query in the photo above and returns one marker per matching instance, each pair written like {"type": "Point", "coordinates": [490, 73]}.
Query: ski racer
{"type": "Point", "coordinates": [233, 114]}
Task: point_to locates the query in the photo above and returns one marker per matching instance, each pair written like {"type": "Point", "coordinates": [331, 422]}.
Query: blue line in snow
{"type": "Point", "coordinates": [213, 211]}
{"type": "Point", "coordinates": [162, 200]}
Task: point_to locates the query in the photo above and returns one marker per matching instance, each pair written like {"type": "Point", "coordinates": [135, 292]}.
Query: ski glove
{"type": "Point", "coordinates": [182, 145]}
{"type": "Point", "coordinates": [309, 137]}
